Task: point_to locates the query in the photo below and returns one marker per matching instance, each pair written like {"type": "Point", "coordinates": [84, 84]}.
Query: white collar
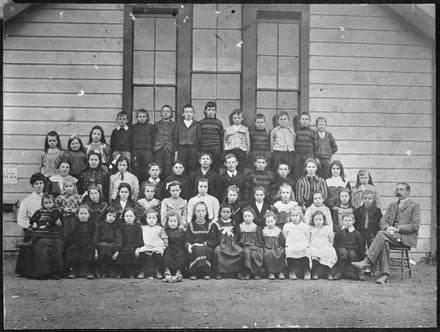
{"type": "Point", "coordinates": [188, 122]}
{"type": "Point", "coordinates": [403, 201]}
{"type": "Point", "coordinates": [119, 127]}
{"type": "Point", "coordinates": [154, 181]}
{"type": "Point", "coordinates": [204, 172]}
{"type": "Point", "coordinates": [232, 174]}
{"type": "Point", "coordinates": [351, 229]}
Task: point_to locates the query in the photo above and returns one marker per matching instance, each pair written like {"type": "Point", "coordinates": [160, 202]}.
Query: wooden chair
{"type": "Point", "coordinates": [401, 262]}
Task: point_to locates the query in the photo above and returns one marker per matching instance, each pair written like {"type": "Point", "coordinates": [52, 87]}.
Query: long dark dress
{"type": "Point", "coordinates": [237, 211]}
{"type": "Point", "coordinates": [228, 255]}
{"type": "Point", "coordinates": [274, 256]}
{"type": "Point", "coordinates": [250, 238]}
{"type": "Point", "coordinates": [174, 256]}
{"type": "Point", "coordinates": [201, 256]}
{"type": "Point", "coordinates": [45, 255]}
{"type": "Point", "coordinates": [82, 249]}
{"type": "Point", "coordinates": [107, 239]}
{"type": "Point", "coordinates": [131, 239]}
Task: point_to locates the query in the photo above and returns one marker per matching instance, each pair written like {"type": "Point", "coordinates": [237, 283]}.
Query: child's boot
{"type": "Point", "coordinates": [292, 276]}
{"type": "Point", "coordinates": [271, 276]}
{"type": "Point", "coordinates": [307, 275]}
{"type": "Point", "coordinates": [281, 276]}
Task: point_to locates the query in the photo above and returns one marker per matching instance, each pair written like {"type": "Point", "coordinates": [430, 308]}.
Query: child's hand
{"type": "Point", "coordinates": [58, 222]}
{"type": "Point", "coordinates": [136, 252]}
{"type": "Point", "coordinates": [42, 226]}
{"type": "Point", "coordinates": [34, 225]}
{"type": "Point", "coordinates": [96, 254]}
{"type": "Point", "coordinates": [190, 250]}
{"type": "Point", "coordinates": [115, 255]}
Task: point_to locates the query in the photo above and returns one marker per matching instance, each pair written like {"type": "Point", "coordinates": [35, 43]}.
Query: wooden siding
{"type": "Point", "coordinates": [371, 77]}
{"type": "Point", "coordinates": [51, 52]}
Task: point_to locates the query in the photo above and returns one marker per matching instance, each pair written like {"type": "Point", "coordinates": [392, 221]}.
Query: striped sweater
{"type": "Point", "coordinates": [306, 186]}
{"type": "Point", "coordinates": [306, 141]}
{"type": "Point", "coordinates": [260, 140]}
{"type": "Point", "coordinates": [256, 179]}
{"type": "Point", "coordinates": [212, 132]}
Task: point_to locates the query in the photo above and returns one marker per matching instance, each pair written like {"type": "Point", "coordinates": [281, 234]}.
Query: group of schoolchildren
{"type": "Point", "coordinates": [141, 206]}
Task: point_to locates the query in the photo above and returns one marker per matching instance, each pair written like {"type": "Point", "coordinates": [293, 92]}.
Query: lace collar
{"type": "Point", "coordinates": [252, 227]}
{"type": "Point", "coordinates": [274, 232]}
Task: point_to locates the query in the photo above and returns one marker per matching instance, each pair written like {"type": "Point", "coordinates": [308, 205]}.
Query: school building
{"type": "Point", "coordinates": [368, 68]}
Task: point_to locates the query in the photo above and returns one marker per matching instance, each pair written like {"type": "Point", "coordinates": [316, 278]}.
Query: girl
{"type": "Point", "coordinates": [321, 246]}
{"type": "Point", "coordinates": [52, 154]}
{"type": "Point", "coordinates": [250, 239]}
{"type": "Point", "coordinates": [106, 241]}
{"type": "Point", "coordinates": [76, 155]}
{"type": "Point", "coordinates": [260, 206]}
{"type": "Point", "coordinates": [123, 176]}
{"type": "Point", "coordinates": [81, 253]}
{"type": "Point", "coordinates": [46, 244]}
{"type": "Point", "coordinates": [197, 237]}
{"type": "Point", "coordinates": [148, 202]}
{"type": "Point", "coordinates": [309, 183]}
{"type": "Point", "coordinates": [55, 183]}
{"type": "Point", "coordinates": [343, 207]}
{"type": "Point", "coordinates": [228, 255]}
{"type": "Point", "coordinates": [97, 207]}
{"type": "Point", "coordinates": [123, 201]}
{"type": "Point", "coordinates": [132, 241]}
{"type": "Point", "coordinates": [174, 203]}
{"type": "Point", "coordinates": [178, 174]}
{"type": "Point", "coordinates": [318, 205]}
{"type": "Point", "coordinates": [231, 199]}
{"type": "Point", "coordinates": [93, 174]}
{"type": "Point", "coordinates": [68, 202]}
{"type": "Point", "coordinates": [286, 201]}
{"type": "Point", "coordinates": [336, 182]}
{"type": "Point", "coordinates": [174, 257]}
{"type": "Point", "coordinates": [297, 235]}
{"type": "Point", "coordinates": [155, 241]}
{"type": "Point", "coordinates": [274, 257]}
{"type": "Point", "coordinates": [236, 139]}
{"type": "Point", "coordinates": [364, 182]}
{"type": "Point", "coordinates": [98, 144]}
{"type": "Point", "coordinates": [203, 196]}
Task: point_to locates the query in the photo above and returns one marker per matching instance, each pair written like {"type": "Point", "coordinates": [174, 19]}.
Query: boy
{"type": "Point", "coordinates": [259, 177]}
{"type": "Point", "coordinates": [203, 196]}
{"type": "Point", "coordinates": [212, 134]}
{"type": "Point", "coordinates": [164, 142]}
{"type": "Point", "coordinates": [325, 148]}
{"type": "Point", "coordinates": [187, 139]}
{"type": "Point", "coordinates": [154, 171]}
{"type": "Point", "coordinates": [204, 172]}
{"type": "Point", "coordinates": [282, 141]}
{"type": "Point", "coordinates": [142, 145]}
{"type": "Point", "coordinates": [367, 218]}
{"type": "Point", "coordinates": [229, 177]}
{"type": "Point", "coordinates": [122, 137]}
{"type": "Point", "coordinates": [305, 144]}
{"type": "Point", "coordinates": [282, 177]}
{"type": "Point", "coordinates": [260, 140]}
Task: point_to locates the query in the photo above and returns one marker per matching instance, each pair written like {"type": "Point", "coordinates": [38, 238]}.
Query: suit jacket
{"type": "Point", "coordinates": [409, 221]}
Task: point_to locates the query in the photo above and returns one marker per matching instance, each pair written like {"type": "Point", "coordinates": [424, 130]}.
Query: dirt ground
{"type": "Point", "coordinates": [228, 303]}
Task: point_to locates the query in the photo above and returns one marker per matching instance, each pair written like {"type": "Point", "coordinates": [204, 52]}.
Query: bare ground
{"type": "Point", "coordinates": [228, 303]}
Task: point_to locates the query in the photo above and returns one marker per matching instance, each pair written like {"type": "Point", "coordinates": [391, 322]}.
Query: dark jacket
{"type": "Point", "coordinates": [325, 147]}
{"type": "Point", "coordinates": [121, 140]}
{"type": "Point", "coordinates": [187, 136]}
{"type": "Point", "coordinates": [374, 217]}
{"type": "Point", "coordinates": [143, 136]}
{"type": "Point", "coordinates": [165, 132]}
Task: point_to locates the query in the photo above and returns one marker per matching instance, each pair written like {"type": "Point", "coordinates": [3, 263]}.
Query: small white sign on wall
{"type": "Point", "coordinates": [9, 175]}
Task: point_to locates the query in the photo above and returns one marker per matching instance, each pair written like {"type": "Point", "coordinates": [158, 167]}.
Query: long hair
{"type": "Point", "coordinates": [285, 186]}
{"type": "Point", "coordinates": [363, 172]}
{"type": "Point", "coordinates": [194, 217]}
{"type": "Point", "coordinates": [341, 167]}
{"type": "Point", "coordinates": [102, 134]}
{"type": "Point", "coordinates": [52, 134]}
{"type": "Point", "coordinates": [81, 145]}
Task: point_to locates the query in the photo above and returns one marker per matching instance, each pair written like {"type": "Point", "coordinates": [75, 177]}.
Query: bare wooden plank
{"type": "Point", "coordinates": [11, 229]}
{"type": "Point", "coordinates": [425, 204]}
{"type": "Point", "coordinates": [383, 147]}
{"type": "Point", "coordinates": [425, 231]}
{"type": "Point", "coordinates": [371, 105]}
{"type": "Point", "coordinates": [373, 78]}
{"type": "Point", "coordinates": [84, 6]}
{"type": "Point", "coordinates": [63, 100]}
{"type": "Point", "coordinates": [27, 142]}
{"type": "Point", "coordinates": [9, 242]}
{"type": "Point", "coordinates": [370, 64]}
{"type": "Point", "coordinates": [354, 22]}
{"type": "Point", "coordinates": [368, 91]}
{"type": "Point", "coordinates": [63, 30]}
{"type": "Point", "coordinates": [384, 161]}
{"type": "Point", "coordinates": [63, 44]}
{"type": "Point", "coordinates": [349, 9]}
{"type": "Point", "coordinates": [366, 37]}
{"type": "Point", "coordinates": [378, 134]}
{"type": "Point", "coordinates": [57, 85]}
{"type": "Point", "coordinates": [47, 15]}
{"type": "Point", "coordinates": [43, 127]}
{"type": "Point", "coordinates": [390, 174]}
{"type": "Point", "coordinates": [417, 189]}
{"type": "Point", "coordinates": [63, 71]}
{"type": "Point", "coordinates": [23, 156]}
{"type": "Point", "coordinates": [423, 245]}
{"type": "Point", "coordinates": [372, 51]}
{"type": "Point", "coordinates": [60, 114]}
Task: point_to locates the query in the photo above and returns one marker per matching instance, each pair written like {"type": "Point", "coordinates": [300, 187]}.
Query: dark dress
{"type": "Point", "coordinates": [237, 212]}
{"type": "Point", "coordinates": [94, 176]}
{"type": "Point", "coordinates": [106, 239]}
{"type": "Point", "coordinates": [228, 255]}
{"type": "Point", "coordinates": [131, 240]}
{"type": "Point", "coordinates": [174, 256]}
{"type": "Point", "coordinates": [45, 255]}
{"type": "Point", "coordinates": [81, 249]}
{"type": "Point", "coordinates": [201, 256]}
{"type": "Point", "coordinates": [274, 256]}
{"type": "Point", "coordinates": [97, 211]}
{"type": "Point", "coordinates": [250, 239]}
{"type": "Point", "coordinates": [184, 181]}
{"type": "Point", "coordinates": [259, 215]}
{"type": "Point", "coordinates": [130, 204]}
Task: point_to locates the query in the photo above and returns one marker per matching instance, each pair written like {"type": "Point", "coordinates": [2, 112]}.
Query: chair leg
{"type": "Point", "coordinates": [402, 262]}
{"type": "Point", "coordinates": [409, 265]}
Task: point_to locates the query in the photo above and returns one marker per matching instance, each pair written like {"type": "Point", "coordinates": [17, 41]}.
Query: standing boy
{"type": "Point", "coordinates": [305, 145]}
{"type": "Point", "coordinates": [122, 137]}
{"type": "Point", "coordinates": [325, 148]}
{"type": "Point", "coordinates": [212, 134]}
{"type": "Point", "coordinates": [187, 139]}
{"type": "Point", "coordinates": [142, 145]}
{"type": "Point", "coordinates": [260, 140]}
{"type": "Point", "coordinates": [230, 177]}
{"type": "Point", "coordinates": [282, 141]}
{"type": "Point", "coordinates": [164, 141]}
